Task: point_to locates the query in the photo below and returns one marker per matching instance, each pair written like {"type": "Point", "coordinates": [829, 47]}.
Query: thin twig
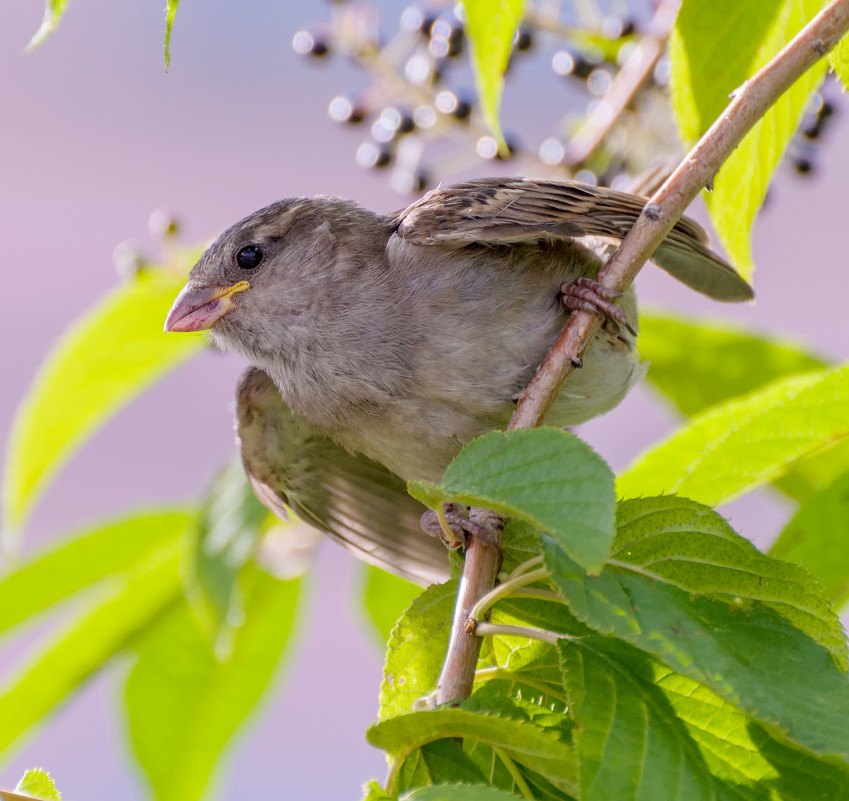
{"type": "Point", "coordinates": [631, 76]}
{"type": "Point", "coordinates": [660, 214]}
{"type": "Point", "coordinates": [502, 630]}
{"type": "Point", "coordinates": [507, 588]}
{"type": "Point", "coordinates": [696, 171]}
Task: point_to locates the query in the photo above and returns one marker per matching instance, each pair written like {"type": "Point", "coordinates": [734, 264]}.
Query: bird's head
{"type": "Point", "coordinates": [259, 276]}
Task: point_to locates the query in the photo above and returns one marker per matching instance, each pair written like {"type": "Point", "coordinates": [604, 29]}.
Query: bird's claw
{"type": "Point", "coordinates": [587, 294]}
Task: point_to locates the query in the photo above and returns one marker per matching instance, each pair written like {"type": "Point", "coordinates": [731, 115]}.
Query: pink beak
{"type": "Point", "coordinates": [198, 307]}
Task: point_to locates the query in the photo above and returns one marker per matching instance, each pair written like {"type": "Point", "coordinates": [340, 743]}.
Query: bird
{"type": "Point", "coordinates": [380, 344]}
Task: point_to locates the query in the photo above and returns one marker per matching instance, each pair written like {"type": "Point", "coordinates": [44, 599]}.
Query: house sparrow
{"type": "Point", "coordinates": [383, 343]}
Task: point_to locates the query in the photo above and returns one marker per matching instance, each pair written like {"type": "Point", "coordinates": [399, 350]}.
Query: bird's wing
{"type": "Point", "coordinates": [354, 500]}
{"type": "Point", "coordinates": [516, 210]}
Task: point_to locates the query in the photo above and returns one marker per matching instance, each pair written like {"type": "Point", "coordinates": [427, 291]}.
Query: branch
{"type": "Point", "coordinates": [628, 80]}
{"type": "Point", "coordinates": [697, 170]}
{"type": "Point", "coordinates": [660, 214]}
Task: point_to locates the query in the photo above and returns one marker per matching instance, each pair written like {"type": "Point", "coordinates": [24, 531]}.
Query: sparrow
{"type": "Point", "coordinates": [380, 344]}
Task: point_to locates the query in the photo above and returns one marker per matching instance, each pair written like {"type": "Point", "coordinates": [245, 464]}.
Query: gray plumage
{"type": "Point", "coordinates": [393, 340]}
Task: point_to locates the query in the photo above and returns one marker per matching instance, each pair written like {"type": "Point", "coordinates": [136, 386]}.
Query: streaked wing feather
{"type": "Point", "coordinates": [522, 210]}
{"type": "Point", "coordinates": [354, 500]}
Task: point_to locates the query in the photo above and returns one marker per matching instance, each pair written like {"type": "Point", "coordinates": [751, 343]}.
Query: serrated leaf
{"type": "Point", "coordinates": [416, 650]}
{"type": "Point", "coordinates": [170, 11]}
{"type": "Point", "coordinates": [491, 26]}
{"type": "Point", "coordinates": [53, 10]}
{"type": "Point", "coordinates": [544, 476]}
{"type": "Point", "coordinates": [744, 443]}
{"type": "Point", "coordinates": [740, 752]}
{"type": "Point", "coordinates": [374, 792]}
{"type": "Point", "coordinates": [749, 656]}
{"type": "Point", "coordinates": [630, 744]}
{"type": "Point", "coordinates": [695, 365]}
{"type": "Point", "coordinates": [184, 705]}
{"type": "Point", "coordinates": [385, 598]}
{"type": "Point", "coordinates": [816, 538]}
{"type": "Point", "coordinates": [106, 551]}
{"type": "Point", "coordinates": [224, 537]}
{"type": "Point", "coordinates": [104, 361]}
{"type": "Point", "coordinates": [37, 783]}
{"type": "Point", "coordinates": [458, 792]}
{"type": "Point", "coordinates": [120, 612]}
{"type": "Point", "coordinates": [688, 545]}
{"type": "Point", "coordinates": [715, 47]}
{"type": "Point", "coordinates": [534, 747]}
{"type": "Point", "coordinates": [438, 762]}
{"type": "Point", "coordinates": [839, 60]}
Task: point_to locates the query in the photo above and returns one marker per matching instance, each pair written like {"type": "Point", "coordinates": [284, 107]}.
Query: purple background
{"type": "Point", "coordinates": [93, 137]}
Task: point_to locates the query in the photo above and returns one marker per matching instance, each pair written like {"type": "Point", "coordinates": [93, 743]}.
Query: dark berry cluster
{"type": "Point", "coordinates": [803, 151]}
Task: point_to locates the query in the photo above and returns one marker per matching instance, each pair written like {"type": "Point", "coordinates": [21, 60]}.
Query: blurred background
{"type": "Point", "coordinates": [94, 136]}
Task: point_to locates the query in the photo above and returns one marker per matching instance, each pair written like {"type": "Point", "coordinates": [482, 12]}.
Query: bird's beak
{"type": "Point", "coordinates": [198, 307]}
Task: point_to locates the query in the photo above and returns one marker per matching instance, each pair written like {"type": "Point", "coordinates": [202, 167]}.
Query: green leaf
{"type": "Point", "coordinates": [536, 748]}
{"type": "Point", "coordinates": [839, 61]}
{"type": "Point", "coordinates": [184, 704]}
{"type": "Point", "coordinates": [53, 10]}
{"type": "Point", "coordinates": [491, 26]}
{"type": "Point", "coordinates": [698, 364]}
{"type": "Point", "coordinates": [416, 650]}
{"type": "Point", "coordinates": [223, 539]}
{"type": "Point", "coordinates": [544, 476]}
{"type": "Point", "coordinates": [385, 597]}
{"type": "Point", "coordinates": [750, 656]}
{"type": "Point", "coordinates": [654, 756]}
{"type": "Point", "coordinates": [106, 551]}
{"type": "Point", "coordinates": [374, 792]}
{"type": "Point", "coordinates": [744, 443]}
{"type": "Point", "coordinates": [38, 783]}
{"type": "Point", "coordinates": [438, 762]}
{"type": "Point", "coordinates": [458, 792]}
{"type": "Point", "coordinates": [736, 750]}
{"type": "Point", "coordinates": [816, 538]}
{"type": "Point", "coordinates": [687, 545]}
{"type": "Point", "coordinates": [123, 609]}
{"type": "Point", "coordinates": [715, 47]}
{"type": "Point", "coordinates": [170, 11]}
{"type": "Point", "coordinates": [102, 363]}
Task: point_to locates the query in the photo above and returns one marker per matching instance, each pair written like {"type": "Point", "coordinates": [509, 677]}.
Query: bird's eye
{"type": "Point", "coordinates": [249, 257]}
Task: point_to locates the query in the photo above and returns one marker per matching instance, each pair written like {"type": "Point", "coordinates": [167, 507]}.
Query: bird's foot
{"type": "Point", "coordinates": [587, 294]}
{"type": "Point", "coordinates": [456, 522]}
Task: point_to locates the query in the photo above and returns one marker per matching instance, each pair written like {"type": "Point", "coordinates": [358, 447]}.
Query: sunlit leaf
{"type": "Point", "coordinates": [104, 361]}
{"type": "Point", "coordinates": [53, 10]}
{"type": "Point", "coordinates": [818, 538]}
{"type": "Point", "coordinates": [654, 757]}
{"type": "Point", "coordinates": [714, 49]}
{"type": "Point", "coordinates": [184, 704]}
{"type": "Point", "coordinates": [38, 783]}
{"type": "Point", "coordinates": [696, 364]}
{"type": "Point", "coordinates": [416, 650]}
{"type": "Point", "coordinates": [224, 536]}
{"type": "Point", "coordinates": [690, 546]}
{"type": "Point", "coordinates": [106, 551]}
{"type": "Point", "coordinates": [385, 597]}
{"type": "Point", "coordinates": [749, 655]}
{"type": "Point", "coordinates": [491, 26]}
{"type": "Point", "coordinates": [170, 11]}
{"type": "Point", "coordinates": [120, 612]}
{"type": "Point", "coordinates": [533, 747]}
{"type": "Point", "coordinates": [839, 60]}
{"type": "Point", "coordinates": [735, 447]}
